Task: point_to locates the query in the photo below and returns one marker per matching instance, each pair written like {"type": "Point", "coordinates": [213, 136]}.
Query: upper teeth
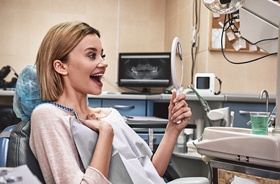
{"type": "Point", "coordinates": [98, 74]}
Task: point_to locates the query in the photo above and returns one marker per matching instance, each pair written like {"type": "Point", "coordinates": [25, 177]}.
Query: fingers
{"type": "Point", "coordinates": [92, 117]}
{"type": "Point", "coordinates": [180, 110]}
{"type": "Point", "coordinates": [173, 97]}
{"type": "Point", "coordinates": [183, 114]}
{"type": "Point", "coordinates": [179, 98]}
{"type": "Point", "coordinates": [89, 116]}
{"type": "Point", "coordinates": [92, 122]}
{"type": "Point", "coordinates": [174, 100]}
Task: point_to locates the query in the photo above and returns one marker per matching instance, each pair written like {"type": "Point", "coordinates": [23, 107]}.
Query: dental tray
{"type": "Point", "coordinates": [239, 144]}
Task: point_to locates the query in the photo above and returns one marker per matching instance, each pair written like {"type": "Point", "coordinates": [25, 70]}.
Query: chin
{"type": "Point", "coordinates": [96, 92]}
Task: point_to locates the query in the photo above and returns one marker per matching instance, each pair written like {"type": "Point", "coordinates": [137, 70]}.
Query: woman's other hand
{"type": "Point", "coordinates": [179, 113]}
{"type": "Point", "coordinates": [178, 110]}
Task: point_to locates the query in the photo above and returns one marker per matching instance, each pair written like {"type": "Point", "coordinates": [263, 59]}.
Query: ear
{"type": "Point", "coordinates": [60, 67]}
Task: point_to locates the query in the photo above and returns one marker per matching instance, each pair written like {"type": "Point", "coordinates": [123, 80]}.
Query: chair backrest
{"type": "Point", "coordinates": [7, 117]}
{"type": "Point", "coordinates": [4, 144]}
{"type": "Point", "coordinates": [19, 152]}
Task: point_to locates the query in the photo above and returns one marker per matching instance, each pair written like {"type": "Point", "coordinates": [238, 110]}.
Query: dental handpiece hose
{"type": "Point", "coordinates": [202, 101]}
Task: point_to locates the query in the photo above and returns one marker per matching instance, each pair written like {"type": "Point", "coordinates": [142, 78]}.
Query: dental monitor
{"type": "Point", "coordinates": [144, 70]}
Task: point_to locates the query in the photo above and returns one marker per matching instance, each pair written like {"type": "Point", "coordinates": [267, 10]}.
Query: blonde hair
{"type": "Point", "coordinates": [56, 45]}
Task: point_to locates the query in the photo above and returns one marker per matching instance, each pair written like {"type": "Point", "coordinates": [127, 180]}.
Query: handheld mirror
{"type": "Point", "coordinates": [177, 64]}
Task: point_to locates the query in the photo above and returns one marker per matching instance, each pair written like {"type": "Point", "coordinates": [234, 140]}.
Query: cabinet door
{"type": "Point", "coordinates": [93, 102]}
{"type": "Point", "coordinates": [127, 107]}
{"type": "Point", "coordinates": [241, 119]}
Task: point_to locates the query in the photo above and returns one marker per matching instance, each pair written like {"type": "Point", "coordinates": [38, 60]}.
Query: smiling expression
{"type": "Point", "coordinates": [86, 65]}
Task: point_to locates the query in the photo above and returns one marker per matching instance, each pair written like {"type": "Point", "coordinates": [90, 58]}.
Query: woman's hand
{"type": "Point", "coordinates": [97, 125]}
{"type": "Point", "coordinates": [102, 155]}
{"type": "Point", "coordinates": [178, 110]}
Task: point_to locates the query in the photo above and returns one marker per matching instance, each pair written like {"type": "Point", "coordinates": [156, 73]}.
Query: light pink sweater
{"type": "Point", "coordinates": [52, 144]}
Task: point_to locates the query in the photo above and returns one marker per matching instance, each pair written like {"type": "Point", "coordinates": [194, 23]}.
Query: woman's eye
{"type": "Point", "coordinates": [103, 56]}
{"type": "Point", "coordinates": [93, 55]}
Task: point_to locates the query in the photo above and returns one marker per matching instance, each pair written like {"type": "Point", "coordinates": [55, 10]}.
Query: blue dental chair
{"type": "Point", "coordinates": [15, 151]}
{"type": "Point", "coordinates": [4, 145]}
{"type": "Point", "coordinates": [7, 117]}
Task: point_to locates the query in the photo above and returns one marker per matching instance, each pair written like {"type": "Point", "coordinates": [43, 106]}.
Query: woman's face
{"type": "Point", "coordinates": [86, 66]}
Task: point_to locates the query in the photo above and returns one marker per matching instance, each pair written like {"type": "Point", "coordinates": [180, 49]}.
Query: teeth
{"type": "Point", "coordinates": [97, 75]}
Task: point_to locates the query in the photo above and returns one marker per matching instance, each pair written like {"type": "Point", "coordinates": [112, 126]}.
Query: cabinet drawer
{"type": "Point", "coordinates": [93, 102]}
{"type": "Point", "coordinates": [127, 107]}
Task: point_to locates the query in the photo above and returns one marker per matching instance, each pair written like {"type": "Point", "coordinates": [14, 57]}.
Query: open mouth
{"type": "Point", "coordinates": [96, 77]}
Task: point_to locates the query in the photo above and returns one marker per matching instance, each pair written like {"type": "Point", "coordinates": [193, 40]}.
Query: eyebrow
{"type": "Point", "coordinates": [94, 49]}
{"type": "Point", "coordinates": [90, 48]}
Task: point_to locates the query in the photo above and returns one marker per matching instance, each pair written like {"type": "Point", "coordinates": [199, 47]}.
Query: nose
{"type": "Point", "coordinates": [102, 63]}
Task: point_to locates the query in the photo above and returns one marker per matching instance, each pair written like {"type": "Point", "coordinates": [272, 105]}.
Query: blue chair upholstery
{"type": "Point", "coordinates": [19, 151]}
{"type": "Point", "coordinates": [7, 117]}
{"type": "Point", "coordinates": [4, 145]}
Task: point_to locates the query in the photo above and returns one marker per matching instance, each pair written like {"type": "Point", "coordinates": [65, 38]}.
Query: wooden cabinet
{"type": "Point", "coordinates": [224, 171]}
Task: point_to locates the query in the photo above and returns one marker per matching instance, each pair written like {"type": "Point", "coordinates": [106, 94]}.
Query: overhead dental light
{"type": "Point", "coordinates": [223, 6]}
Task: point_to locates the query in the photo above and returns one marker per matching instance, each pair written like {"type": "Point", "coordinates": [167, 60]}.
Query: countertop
{"type": "Point", "coordinates": [225, 97]}
{"type": "Point", "coordinates": [242, 97]}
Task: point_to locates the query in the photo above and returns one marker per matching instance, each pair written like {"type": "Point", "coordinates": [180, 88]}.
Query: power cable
{"type": "Point", "coordinates": [195, 31]}
{"type": "Point", "coordinates": [230, 22]}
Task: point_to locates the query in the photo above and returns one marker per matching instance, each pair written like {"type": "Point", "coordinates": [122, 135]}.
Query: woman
{"type": "Point", "coordinates": [70, 64]}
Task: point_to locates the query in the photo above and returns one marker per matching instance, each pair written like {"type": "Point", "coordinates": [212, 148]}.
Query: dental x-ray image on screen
{"type": "Point", "coordinates": [144, 70]}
